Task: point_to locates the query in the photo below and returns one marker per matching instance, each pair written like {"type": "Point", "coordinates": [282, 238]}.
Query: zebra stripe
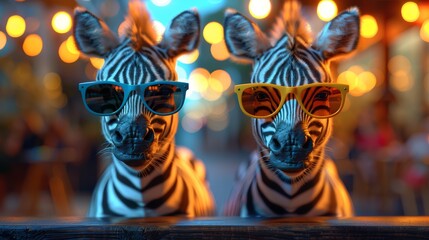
{"type": "Point", "coordinates": [290, 174]}
{"type": "Point", "coordinates": [148, 175]}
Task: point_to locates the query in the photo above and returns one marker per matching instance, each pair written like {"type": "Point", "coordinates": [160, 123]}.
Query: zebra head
{"type": "Point", "coordinates": [137, 136]}
{"type": "Point", "coordinates": [291, 141]}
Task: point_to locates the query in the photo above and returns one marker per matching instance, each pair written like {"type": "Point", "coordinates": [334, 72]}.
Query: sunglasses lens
{"type": "Point", "coordinates": [260, 101]}
{"type": "Point", "coordinates": [104, 98]}
{"type": "Point", "coordinates": [164, 98]}
{"type": "Point", "coordinates": [322, 101]}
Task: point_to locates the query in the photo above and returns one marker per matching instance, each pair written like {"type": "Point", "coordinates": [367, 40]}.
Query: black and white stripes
{"type": "Point", "coordinates": [290, 174]}
{"type": "Point", "coordinates": [149, 175]}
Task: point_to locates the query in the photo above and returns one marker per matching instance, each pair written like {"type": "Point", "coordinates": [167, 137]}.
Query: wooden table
{"type": "Point", "coordinates": [216, 228]}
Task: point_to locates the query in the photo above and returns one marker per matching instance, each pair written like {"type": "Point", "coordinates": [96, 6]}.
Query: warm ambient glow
{"type": "Point", "coordinates": [213, 32]}
{"type": "Point", "coordinates": [15, 26]}
{"type": "Point", "coordinates": [424, 31]}
{"type": "Point", "coordinates": [159, 30]}
{"type": "Point", "coordinates": [97, 62]}
{"type": "Point", "coordinates": [61, 22]}
{"type": "Point", "coordinates": [359, 81]}
{"type": "Point", "coordinates": [66, 55]}
{"type": "Point", "coordinates": [33, 45]}
{"type": "Point", "coordinates": [327, 10]}
{"type": "Point", "coordinates": [410, 11]}
{"type": "Point", "coordinates": [219, 51]}
{"type": "Point", "coordinates": [259, 9]}
{"type": "Point", "coordinates": [189, 57]}
{"type": "Point", "coordinates": [369, 26]}
{"type": "Point", "coordinates": [3, 40]}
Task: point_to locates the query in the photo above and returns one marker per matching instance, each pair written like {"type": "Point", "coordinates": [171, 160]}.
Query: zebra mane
{"type": "Point", "coordinates": [290, 22]}
{"type": "Point", "coordinates": [138, 26]}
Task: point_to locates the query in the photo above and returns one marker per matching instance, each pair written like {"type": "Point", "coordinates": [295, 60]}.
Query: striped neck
{"type": "Point", "coordinates": [292, 184]}
{"type": "Point", "coordinates": [161, 169]}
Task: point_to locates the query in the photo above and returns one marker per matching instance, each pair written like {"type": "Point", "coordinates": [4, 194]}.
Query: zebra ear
{"type": "Point", "coordinates": [183, 34]}
{"type": "Point", "coordinates": [243, 38]}
{"type": "Point", "coordinates": [92, 35]}
{"type": "Point", "coordinates": [340, 35]}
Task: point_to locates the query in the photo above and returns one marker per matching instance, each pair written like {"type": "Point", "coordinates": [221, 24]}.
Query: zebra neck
{"type": "Point", "coordinates": [287, 183]}
{"type": "Point", "coordinates": [139, 180]}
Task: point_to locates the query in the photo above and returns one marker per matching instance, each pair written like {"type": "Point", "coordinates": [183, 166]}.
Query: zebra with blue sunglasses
{"type": "Point", "coordinates": [137, 96]}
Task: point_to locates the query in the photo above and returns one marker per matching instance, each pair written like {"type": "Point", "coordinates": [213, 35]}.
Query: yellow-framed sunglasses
{"type": "Point", "coordinates": [264, 100]}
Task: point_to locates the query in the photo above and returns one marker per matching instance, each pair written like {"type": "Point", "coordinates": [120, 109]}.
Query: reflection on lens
{"type": "Point", "coordinates": [164, 98]}
{"type": "Point", "coordinates": [104, 98]}
{"type": "Point", "coordinates": [322, 101]}
{"type": "Point", "coordinates": [260, 101]}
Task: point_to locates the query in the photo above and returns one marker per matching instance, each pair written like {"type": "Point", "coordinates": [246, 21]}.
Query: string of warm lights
{"type": "Point", "coordinates": [205, 85]}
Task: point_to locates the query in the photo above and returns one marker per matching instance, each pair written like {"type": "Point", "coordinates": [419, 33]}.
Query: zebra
{"type": "Point", "coordinates": [136, 94]}
{"type": "Point", "coordinates": [289, 174]}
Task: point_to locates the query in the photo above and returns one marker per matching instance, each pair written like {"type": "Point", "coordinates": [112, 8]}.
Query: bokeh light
{"type": "Point", "coordinates": [15, 26]}
{"type": "Point", "coordinates": [360, 81]}
{"type": "Point", "coordinates": [198, 80]}
{"type": "Point", "coordinates": [410, 11]}
{"type": "Point", "coordinates": [189, 58]}
{"type": "Point", "coordinates": [66, 55]}
{"type": "Point", "coordinates": [219, 51]}
{"type": "Point", "coordinates": [52, 81]}
{"type": "Point", "coordinates": [401, 81]}
{"type": "Point", "coordinates": [71, 45]}
{"type": "Point", "coordinates": [259, 9]}
{"type": "Point", "coordinates": [213, 32]}
{"type": "Point", "coordinates": [222, 77]}
{"type": "Point", "coordinates": [97, 62]}
{"type": "Point", "coordinates": [159, 30]}
{"type": "Point", "coordinates": [161, 3]}
{"type": "Point", "coordinates": [327, 10]}
{"type": "Point", "coordinates": [33, 45]}
{"type": "Point", "coordinates": [3, 40]}
{"type": "Point", "coordinates": [397, 63]}
{"type": "Point", "coordinates": [369, 26]}
{"type": "Point", "coordinates": [193, 121]}
{"type": "Point", "coordinates": [61, 22]}
{"type": "Point", "coordinates": [424, 31]}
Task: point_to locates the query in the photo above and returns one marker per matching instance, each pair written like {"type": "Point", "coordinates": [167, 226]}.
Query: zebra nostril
{"type": "Point", "coordinates": [150, 135]}
{"type": "Point", "coordinates": [308, 144]}
{"type": "Point", "coordinates": [117, 137]}
{"type": "Point", "coordinates": [275, 145]}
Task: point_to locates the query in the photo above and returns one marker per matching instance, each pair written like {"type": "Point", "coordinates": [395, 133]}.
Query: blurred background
{"type": "Point", "coordinates": [49, 143]}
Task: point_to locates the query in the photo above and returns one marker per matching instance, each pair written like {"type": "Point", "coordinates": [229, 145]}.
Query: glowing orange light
{"type": "Point", "coordinates": [71, 45]}
{"type": "Point", "coordinates": [65, 55]}
{"type": "Point", "coordinates": [327, 10]}
{"type": "Point", "coordinates": [198, 80]}
{"type": "Point", "coordinates": [97, 62]}
{"type": "Point", "coordinates": [259, 9]}
{"type": "Point", "coordinates": [3, 40]}
{"type": "Point", "coordinates": [33, 45]}
{"type": "Point", "coordinates": [15, 26]}
{"type": "Point", "coordinates": [369, 26]}
{"type": "Point", "coordinates": [424, 31]}
{"type": "Point", "coordinates": [61, 22]}
{"type": "Point", "coordinates": [213, 32]}
{"type": "Point", "coordinates": [223, 77]}
{"type": "Point", "coordinates": [190, 57]}
{"type": "Point", "coordinates": [410, 11]}
{"type": "Point", "coordinates": [219, 51]}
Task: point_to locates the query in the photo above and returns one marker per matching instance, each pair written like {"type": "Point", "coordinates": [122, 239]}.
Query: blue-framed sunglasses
{"type": "Point", "coordinates": [104, 98]}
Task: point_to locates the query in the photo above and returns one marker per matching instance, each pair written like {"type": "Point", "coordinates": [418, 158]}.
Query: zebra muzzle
{"type": "Point", "coordinates": [133, 143]}
{"type": "Point", "coordinates": [289, 149]}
